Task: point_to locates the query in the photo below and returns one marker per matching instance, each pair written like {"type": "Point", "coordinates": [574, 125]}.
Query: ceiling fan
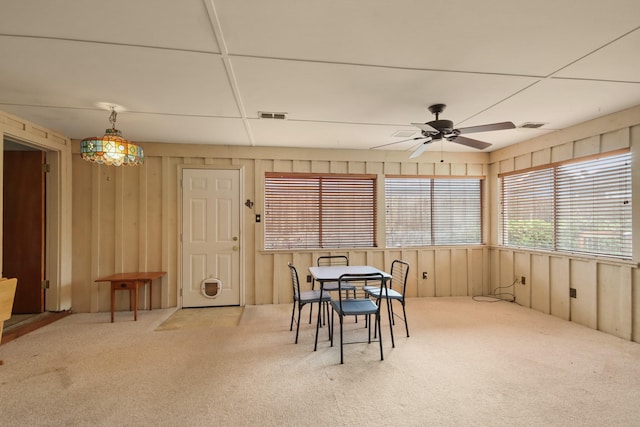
{"type": "Point", "coordinates": [443, 129]}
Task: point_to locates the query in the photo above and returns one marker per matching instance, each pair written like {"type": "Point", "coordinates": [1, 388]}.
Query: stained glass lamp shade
{"type": "Point", "coordinates": [112, 148]}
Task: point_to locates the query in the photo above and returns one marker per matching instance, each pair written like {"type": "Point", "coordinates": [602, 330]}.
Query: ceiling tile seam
{"type": "Point", "coordinates": [141, 46]}
{"type": "Point", "coordinates": [224, 51]}
{"type": "Point", "coordinates": [610, 42]}
{"type": "Point", "coordinates": [391, 67]}
{"type": "Point", "coordinates": [506, 98]}
{"type": "Point", "coordinates": [151, 113]}
{"type": "Point", "coordinates": [586, 79]}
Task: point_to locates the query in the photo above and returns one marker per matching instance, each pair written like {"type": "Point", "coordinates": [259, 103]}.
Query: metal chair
{"type": "Point", "coordinates": [344, 306]}
{"type": "Point", "coordinates": [329, 260]}
{"type": "Point", "coordinates": [302, 298]}
{"type": "Point", "coordinates": [394, 292]}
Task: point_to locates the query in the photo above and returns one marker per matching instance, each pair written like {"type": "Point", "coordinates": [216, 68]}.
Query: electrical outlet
{"type": "Point", "coordinates": [425, 275]}
{"type": "Point", "coordinates": [522, 280]}
{"type": "Point", "coordinates": [308, 278]}
{"type": "Point", "coordinates": [573, 293]}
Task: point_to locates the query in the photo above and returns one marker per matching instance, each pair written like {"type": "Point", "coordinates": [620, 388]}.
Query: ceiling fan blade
{"type": "Point", "coordinates": [398, 142]}
{"type": "Point", "coordinates": [473, 143]}
{"type": "Point", "coordinates": [420, 150]}
{"type": "Point", "coordinates": [425, 127]}
{"type": "Point", "coordinates": [487, 128]}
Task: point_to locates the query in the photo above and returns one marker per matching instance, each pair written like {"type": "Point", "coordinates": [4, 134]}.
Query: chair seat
{"type": "Point", "coordinates": [313, 296]}
{"type": "Point", "coordinates": [390, 293]}
{"type": "Point", "coordinates": [354, 307]}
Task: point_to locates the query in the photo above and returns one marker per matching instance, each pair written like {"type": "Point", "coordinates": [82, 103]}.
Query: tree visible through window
{"type": "Point", "coordinates": [310, 211]}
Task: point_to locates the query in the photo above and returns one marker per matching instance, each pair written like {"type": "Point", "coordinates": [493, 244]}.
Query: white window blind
{"type": "Point", "coordinates": [582, 206]}
{"type": "Point", "coordinates": [527, 209]}
{"type": "Point", "coordinates": [423, 211]}
{"type": "Point", "coordinates": [594, 206]}
{"type": "Point", "coordinates": [304, 211]}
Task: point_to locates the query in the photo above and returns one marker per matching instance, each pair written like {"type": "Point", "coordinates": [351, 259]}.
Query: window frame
{"type": "Point", "coordinates": [559, 197]}
{"type": "Point", "coordinates": [433, 236]}
{"type": "Point", "coordinates": [319, 198]}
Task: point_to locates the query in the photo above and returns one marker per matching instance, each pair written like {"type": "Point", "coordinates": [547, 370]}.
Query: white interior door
{"type": "Point", "coordinates": [210, 237]}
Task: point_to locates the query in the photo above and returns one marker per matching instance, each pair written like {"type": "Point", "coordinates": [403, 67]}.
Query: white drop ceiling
{"type": "Point", "coordinates": [349, 74]}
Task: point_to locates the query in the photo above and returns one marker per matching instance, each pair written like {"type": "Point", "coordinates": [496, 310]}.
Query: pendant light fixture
{"type": "Point", "coordinates": [112, 148]}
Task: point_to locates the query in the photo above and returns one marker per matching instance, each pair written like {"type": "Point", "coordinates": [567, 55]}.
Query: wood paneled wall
{"type": "Point", "coordinates": [127, 218]}
{"type": "Point", "coordinates": [606, 290]}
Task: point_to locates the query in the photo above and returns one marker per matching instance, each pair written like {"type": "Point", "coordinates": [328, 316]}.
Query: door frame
{"type": "Point", "coordinates": [180, 196]}
{"type": "Point", "coordinates": [58, 222]}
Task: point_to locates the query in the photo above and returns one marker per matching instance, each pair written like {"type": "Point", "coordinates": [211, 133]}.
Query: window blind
{"type": "Point", "coordinates": [528, 218]}
{"type": "Point", "coordinates": [319, 211]}
{"type": "Point", "coordinates": [423, 211]}
{"type": "Point", "coordinates": [580, 206]}
{"type": "Point", "coordinates": [594, 206]}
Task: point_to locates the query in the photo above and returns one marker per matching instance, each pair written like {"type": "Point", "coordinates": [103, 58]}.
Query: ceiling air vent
{"type": "Point", "coordinates": [268, 115]}
{"type": "Point", "coordinates": [532, 125]}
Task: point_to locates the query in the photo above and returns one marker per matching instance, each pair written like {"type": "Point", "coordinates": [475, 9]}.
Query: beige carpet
{"type": "Point", "coordinates": [466, 363]}
{"type": "Point", "coordinates": [210, 317]}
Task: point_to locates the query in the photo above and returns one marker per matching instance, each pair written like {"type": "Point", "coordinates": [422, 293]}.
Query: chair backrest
{"type": "Point", "coordinates": [346, 278]}
{"type": "Point", "coordinates": [399, 273]}
{"type": "Point", "coordinates": [328, 260]}
{"type": "Point", "coordinates": [7, 294]}
{"type": "Point", "coordinates": [295, 283]}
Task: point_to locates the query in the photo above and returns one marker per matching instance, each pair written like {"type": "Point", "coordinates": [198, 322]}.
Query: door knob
{"type": "Point", "coordinates": [235, 248]}
{"type": "Point", "coordinates": [235, 238]}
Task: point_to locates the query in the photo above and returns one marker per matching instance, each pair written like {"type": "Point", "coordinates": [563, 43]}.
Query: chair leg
{"type": "Point", "coordinates": [331, 325]}
{"type": "Point", "coordinates": [404, 312]}
{"type": "Point", "coordinates": [390, 311]}
{"type": "Point", "coordinates": [298, 322]}
{"type": "Point", "coordinates": [315, 346]}
{"type": "Point", "coordinates": [393, 317]}
{"type": "Point", "coordinates": [313, 286]}
{"type": "Point", "coordinates": [292, 313]}
{"type": "Point", "coordinates": [341, 343]}
{"type": "Point", "coordinates": [380, 336]}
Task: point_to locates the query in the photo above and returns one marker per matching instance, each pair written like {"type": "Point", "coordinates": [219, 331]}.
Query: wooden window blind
{"type": "Point", "coordinates": [305, 211]}
{"type": "Point", "coordinates": [422, 211]}
{"type": "Point", "coordinates": [581, 206]}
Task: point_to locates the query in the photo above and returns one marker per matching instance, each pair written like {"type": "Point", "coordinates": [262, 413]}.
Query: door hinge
{"type": "Point", "coordinates": [46, 168]}
{"type": "Point", "coordinates": [44, 284]}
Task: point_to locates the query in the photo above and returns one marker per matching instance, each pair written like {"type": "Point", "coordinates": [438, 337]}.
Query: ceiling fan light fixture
{"type": "Point", "coordinates": [112, 148]}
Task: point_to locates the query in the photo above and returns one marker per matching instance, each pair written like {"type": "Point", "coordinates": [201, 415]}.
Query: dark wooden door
{"type": "Point", "coordinates": [23, 227]}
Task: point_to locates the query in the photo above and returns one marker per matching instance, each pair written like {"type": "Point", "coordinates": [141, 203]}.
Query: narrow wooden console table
{"type": "Point", "coordinates": [131, 282]}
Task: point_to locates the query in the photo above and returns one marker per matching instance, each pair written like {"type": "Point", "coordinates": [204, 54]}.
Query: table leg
{"type": "Point", "coordinates": [113, 297]}
{"type": "Point", "coordinates": [135, 301]}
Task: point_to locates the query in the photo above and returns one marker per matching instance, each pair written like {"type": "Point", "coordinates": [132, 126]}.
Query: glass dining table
{"type": "Point", "coordinates": [332, 273]}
